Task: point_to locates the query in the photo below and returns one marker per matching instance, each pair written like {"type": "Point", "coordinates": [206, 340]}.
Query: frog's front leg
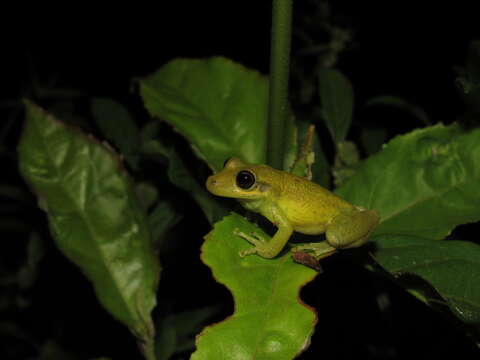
{"type": "Point", "coordinates": [269, 249]}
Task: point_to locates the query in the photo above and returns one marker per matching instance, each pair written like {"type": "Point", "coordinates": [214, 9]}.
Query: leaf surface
{"type": "Point", "coordinates": [336, 98]}
{"type": "Point", "coordinates": [218, 105]}
{"type": "Point", "coordinates": [424, 183]}
{"type": "Point", "coordinates": [451, 267]}
{"type": "Point", "coordinates": [94, 216]}
{"type": "Point", "coordinates": [270, 321]}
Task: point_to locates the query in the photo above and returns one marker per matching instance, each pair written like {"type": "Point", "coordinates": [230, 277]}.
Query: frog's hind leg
{"type": "Point", "coordinates": [351, 229]}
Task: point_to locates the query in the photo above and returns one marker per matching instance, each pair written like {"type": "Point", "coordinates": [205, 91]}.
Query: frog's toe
{"type": "Point", "coordinates": [247, 252]}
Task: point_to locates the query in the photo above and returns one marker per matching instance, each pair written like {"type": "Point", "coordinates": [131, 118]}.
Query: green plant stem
{"type": "Point", "coordinates": [278, 110]}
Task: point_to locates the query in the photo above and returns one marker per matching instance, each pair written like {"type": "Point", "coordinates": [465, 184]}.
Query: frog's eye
{"type": "Point", "coordinates": [245, 179]}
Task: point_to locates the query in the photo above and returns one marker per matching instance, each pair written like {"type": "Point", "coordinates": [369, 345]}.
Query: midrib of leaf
{"type": "Point", "coordinates": [87, 224]}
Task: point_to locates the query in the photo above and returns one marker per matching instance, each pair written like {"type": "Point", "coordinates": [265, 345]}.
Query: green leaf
{"type": "Point", "coordinates": [117, 126]}
{"type": "Point", "coordinates": [218, 105]}
{"type": "Point", "coordinates": [336, 98]}
{"type": "Point", "coordinates": [94, 216]}
{"type": "Point", "coordinates": [451, 267]}
{"type": "Point", "coordinates": [270, 321]}
{"type": "Point", "coordinates": [401, 104]}
{"type": "Point", "coordinates": [424, 183]}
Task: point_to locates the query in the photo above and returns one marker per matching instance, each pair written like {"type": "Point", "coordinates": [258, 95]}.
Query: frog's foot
{"type": "Point", "coordinates": [254, 239]}
{"type": "Point", "coordinates": [318, 250]}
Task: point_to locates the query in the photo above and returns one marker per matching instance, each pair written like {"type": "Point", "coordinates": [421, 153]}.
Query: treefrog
{"type": "Point", "coordinates": [292, 203]}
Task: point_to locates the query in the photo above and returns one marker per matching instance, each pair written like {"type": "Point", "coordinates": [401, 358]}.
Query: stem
{"type": "Point", "coordinates": [278, 110]}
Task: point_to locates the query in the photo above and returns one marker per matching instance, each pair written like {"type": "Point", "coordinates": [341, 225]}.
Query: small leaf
{"type": "Point", "coordinates": [451, 267]}
{"type": "Point", "coordinates": [35, 252]}
{"type": "Point", "coordinates": [177, 331]}
{"type": "Point", "coordinates": [117, 126]}
{"type": "Point", "coordinates": [218, 105]}
{"type": "Point", "coordinates": [336, 98]}
{"type": "Point", "coordinates": [147, 194]}
{"type": "Point", "coordinates": [346, 162]}
{"type": "Point", "coordinates": [401, 104]}
{"type": "Point", "coordinates": [161, 219]}
{"type": "Point", "coordinates": [270, 321]}
{"type": "Point", "coordinates": [94, 216]}
{"type": "Point", "coordinates": [424, 183]}
{"type": "Point", "coordinates": [373, 139]}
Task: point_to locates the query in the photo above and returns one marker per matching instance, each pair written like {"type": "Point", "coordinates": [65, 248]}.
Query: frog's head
{"type": "Point", "coordinates": [240, 180]}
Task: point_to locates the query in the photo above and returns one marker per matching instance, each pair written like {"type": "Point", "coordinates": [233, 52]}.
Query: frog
{"type": "Point", "coordinates": [292, 204]}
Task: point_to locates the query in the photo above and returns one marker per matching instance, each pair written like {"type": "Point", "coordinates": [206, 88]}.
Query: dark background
{"type": "Point", "coordinates": [407, 49]}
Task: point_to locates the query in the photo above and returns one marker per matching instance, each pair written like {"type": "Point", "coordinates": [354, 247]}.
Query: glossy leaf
{"type": "Point", "coordinates": [94, 216]}
{"type": "Point", "coordinates": [424, 183]}
{"type": "Point", "coordinates": [336, 99]}
{"type": "Point", "coordinates": [451, 267]}
{"type": "Point", "coordinates": [270, 321]}
{"type": "Point", "coordinates": [218, 105]}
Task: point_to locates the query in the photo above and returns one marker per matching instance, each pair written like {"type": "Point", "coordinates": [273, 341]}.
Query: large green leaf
{"type": "Point", "coordinates": [94, 216]}
{"type": "Point", "coordinates": [270, 321]}
{"type": "Point", "coordinates": [424, 183]}
{"type": "Point", "coordinates": [336, 98]}
{"type": "Point", "coordinates": [218, 105]}
{"type": "Point", "coordinates": [451, 267]}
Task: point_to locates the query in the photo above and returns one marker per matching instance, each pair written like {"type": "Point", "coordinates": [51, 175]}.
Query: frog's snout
{"type": "Point", "coordinates": [211, 184]}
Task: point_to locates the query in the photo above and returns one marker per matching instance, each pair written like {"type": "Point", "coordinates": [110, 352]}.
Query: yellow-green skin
{"type": "Point", "coordinates": [294, 204]}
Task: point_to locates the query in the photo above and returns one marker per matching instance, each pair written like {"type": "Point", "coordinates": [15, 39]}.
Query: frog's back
{"type": "Point", "coordinates": [308, 206]}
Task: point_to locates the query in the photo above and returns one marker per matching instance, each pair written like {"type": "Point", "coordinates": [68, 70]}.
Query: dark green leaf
{"type": "Point", "coordinates": [35, 252]}
{"type": "Point", "coordinates": [161, 219]}
{"type": "Point", "coordinates": [147, 194]}
{"type": "Point", "coordinates": [180, 175]}
{"type": "Point", "coordinates": [219, 106]}
{"type": "Point", "coordinates": [270, 321]}
{"type": "Point", "coordinates": [373, 139]}
{"type": "Point", "coordinates": [117, 126]}
{"type": "Point", "coordinates": [451, 267]}
{"type": "Point", "coordinates": [177, 331]}
{"type": "Point", "coordinates": [336, 98]}
{"type": "Point", "coordinates": [424, 183]}
{"type": "Point", "coordinates": [94, 216]}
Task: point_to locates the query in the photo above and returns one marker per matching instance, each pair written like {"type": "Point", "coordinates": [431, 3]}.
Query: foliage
{"type": "Point", "coordinates": [113, 209]}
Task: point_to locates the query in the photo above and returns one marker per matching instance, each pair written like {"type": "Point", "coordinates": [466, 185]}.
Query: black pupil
{"type": "Point", "coordinates": [245, 179]}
